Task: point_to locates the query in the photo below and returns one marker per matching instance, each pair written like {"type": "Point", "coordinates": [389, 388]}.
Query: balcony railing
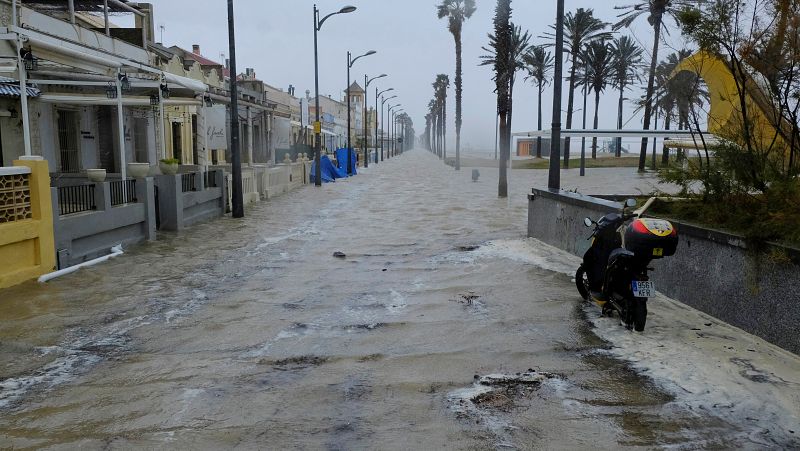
{"type": "Point", "coordinates": [123, 192]}
{"type": "Point", "coordinates": [189, 182]}
{"type": "Point", "coordinates": [76, 199]}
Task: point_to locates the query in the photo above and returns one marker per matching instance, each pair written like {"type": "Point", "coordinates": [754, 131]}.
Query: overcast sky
{"type": "Point", "coordinates": [276, 38]}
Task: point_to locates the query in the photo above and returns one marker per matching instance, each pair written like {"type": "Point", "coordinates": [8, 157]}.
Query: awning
{"type": "Point", "coordinates": [10, 88]}
{"type": "Point", "coordinates": [83, 99]}
{"type": "Point", "coordinates": [186, 82]}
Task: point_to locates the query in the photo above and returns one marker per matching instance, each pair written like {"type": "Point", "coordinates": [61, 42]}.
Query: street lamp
{"type": "Point", "coordinates": [318, 125]}
{"type": "Point", "coordinates": [378, 94]}
{"type": "Point", "coordinates": [554, 175]}
{"type": "Point", "coordinates": [383, 102]}
{"type": "Point", "coordinates": [367, 81]}
{"type": "Point", "coordinates": [350, 62]}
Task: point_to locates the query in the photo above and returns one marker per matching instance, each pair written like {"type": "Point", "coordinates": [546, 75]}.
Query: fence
{"type": "Point", "coordinates": [189, 182]}
{"type": "Point", "coordinates": [76, 199]}
{"type": "Point", "coordinates": [123, 192]}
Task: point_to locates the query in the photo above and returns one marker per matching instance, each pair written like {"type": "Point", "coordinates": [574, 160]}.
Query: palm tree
{"type": "Point", "coordinates": [656, 10]}
{"type": "Point", "coordinates": [627, 60]}
{"type": "Point", "coordinates": [580, 29]}
{"type": "Point", "coordinates": [502, 46]}
{"type": "Point", "coordinates": [520, 46]}
{"type": "Point", "coordinates": [679, 92]}
{"type": "Point", "coordinates": [457, 11]}
{"type": "Point", "coordinates": [599, 70]}
{"type": "Point", "coordinates": [538, 63]}
{"type": "Point", "coordinates": [440, 92]}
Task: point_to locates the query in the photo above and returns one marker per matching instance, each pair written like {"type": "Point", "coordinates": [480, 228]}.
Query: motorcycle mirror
{"type": "Point", "coordinates": [630, 203]}
{"type": "Point", "coordinates": [588, 222]}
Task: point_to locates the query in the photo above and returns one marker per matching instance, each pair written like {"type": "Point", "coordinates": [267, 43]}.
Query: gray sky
{"type": "Point", "coordinates": [276, 38]}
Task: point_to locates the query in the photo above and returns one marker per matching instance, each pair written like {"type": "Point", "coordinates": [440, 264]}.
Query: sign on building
{"type": "Point", "coordinates": [216, 130]}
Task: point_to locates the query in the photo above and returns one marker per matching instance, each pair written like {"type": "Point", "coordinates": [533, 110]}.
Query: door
{"type": "Point", "coordinates": [140, 139]}
{"type": "Point", "coordinates": [177, 150]}
{"type": "Point", "coordinates": [68, 141]}
{"type": "Point", "coordinates": [105, 139]}
{"type": "Point", "coordinates": [195, 140]}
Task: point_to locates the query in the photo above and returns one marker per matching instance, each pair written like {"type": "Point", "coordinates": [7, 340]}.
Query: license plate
{"type": "Point", "coordinates": [643, 289]}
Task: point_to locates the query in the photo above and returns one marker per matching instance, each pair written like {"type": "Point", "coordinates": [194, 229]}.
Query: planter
{"type": "Point", "coordinates": [138, 170]}
{"type": "Point", "coordinates": [168, 169]}
{"type": "Point", "coordinates": [96, 175]}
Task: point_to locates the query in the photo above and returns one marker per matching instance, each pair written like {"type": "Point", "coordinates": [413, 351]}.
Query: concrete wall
{"type": "Point", "coordinates": [84, 236]}
{"type": "Point", "coordinates": [26, 223]}
{"type": "Point", "coordinates": [755, 289]}
{"type": "Point", "coordinates": [179, 210]}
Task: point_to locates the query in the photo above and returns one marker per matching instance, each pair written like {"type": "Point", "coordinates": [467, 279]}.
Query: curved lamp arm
{"type": "Point", "coordinates": [353, 61]}
{"type": "Point", "coordinates": [345, 10]}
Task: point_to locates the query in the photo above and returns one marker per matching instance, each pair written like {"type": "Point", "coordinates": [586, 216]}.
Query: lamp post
{"type": "Point", "coordinates": [378, 94]}
{"type": "Point", "coordinates": [350, 62]}
{"type": "Point", "coordinates": [383, 123]}
{"type": "Point", "coordinates": [554, 176]}
{"type": "Point", "coordinates": [365, 117]}
{"type": "Point", "coordinates": [318, 125]}
{"type": "Point", "coordinates": [237, 210]}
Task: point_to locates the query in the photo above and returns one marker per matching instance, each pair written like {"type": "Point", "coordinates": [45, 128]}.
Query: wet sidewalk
{"type": "Point", "coordinates": [441, 328]}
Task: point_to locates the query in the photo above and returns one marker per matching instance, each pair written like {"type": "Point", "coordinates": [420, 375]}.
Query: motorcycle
{"type": "Point", "coordinates": [614, 272]}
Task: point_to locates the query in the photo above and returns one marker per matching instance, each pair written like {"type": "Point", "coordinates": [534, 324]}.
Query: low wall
{"type": "Point", "coordinates": [182, 204]}
{"type": "Point", "coordinates": [26, 222]}
{"type": "Point", "coordinates": [87, 235]}
{"type": "Point", "coordinates": [757, 290]}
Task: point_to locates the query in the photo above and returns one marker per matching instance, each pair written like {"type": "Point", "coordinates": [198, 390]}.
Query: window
{"type": "Point", "coordinates": [68, 140]}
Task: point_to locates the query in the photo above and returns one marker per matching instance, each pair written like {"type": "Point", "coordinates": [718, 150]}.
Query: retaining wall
{"type": "Point", "coordinates": [755, 289]}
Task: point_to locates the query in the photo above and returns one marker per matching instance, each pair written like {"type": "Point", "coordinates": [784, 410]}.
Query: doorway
{"type": "Point", "coordinates": [177, 150]}
{"type": "Point", "coordinates": [105, 139]}
{"type": "Point", "coordinates": [68, 141]}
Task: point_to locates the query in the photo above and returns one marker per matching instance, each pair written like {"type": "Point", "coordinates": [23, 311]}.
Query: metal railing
{"type": "Point", "coordinates": [123, 192]}
{"type": "Point", "coordinates": [189, 182]}
{"type": "Point", "coordinates": [210, 179]}
{"type": "Point", "coordinates": [76, 199]}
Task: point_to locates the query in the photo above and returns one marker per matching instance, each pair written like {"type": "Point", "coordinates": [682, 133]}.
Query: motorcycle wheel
{"type": "Point", "coordinates": [639, 314]}
{"type": "Point", "coordinates": [582, 282]}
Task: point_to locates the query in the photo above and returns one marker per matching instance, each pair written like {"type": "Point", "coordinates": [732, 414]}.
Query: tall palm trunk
{"type": "Point", "coordinates": [583, 139]}
{"type": "Point", "coordinates": [502, 187]}
{"type": "Point", "coordinates": [618, 151]}
{"type": "Point", "coordinates": [510, 104]}
{"type": "Point", "coordinates": [539, 124]}
{"type": "Point", "coordinates": [457, 37]}
{"type": "Point", "coordinates": [596, 111]}
{"type": "Point", "coordinates": [570, 105]}
{"type": "Point", "coordinates": [648, 105]}
{"type": "Point", "coordinates": [444, 128]}
{"type": "Point", "coordinates": [665, 152]}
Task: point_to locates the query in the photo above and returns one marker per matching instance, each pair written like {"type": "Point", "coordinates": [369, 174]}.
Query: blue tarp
{"type": "Point", "coordinates": [341, 159]}
{"type": "Point", "coordinates": [329, 172]}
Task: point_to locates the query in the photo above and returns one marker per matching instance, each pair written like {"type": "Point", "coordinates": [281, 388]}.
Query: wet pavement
{"type": "Point", "coordinates": [442, 327]}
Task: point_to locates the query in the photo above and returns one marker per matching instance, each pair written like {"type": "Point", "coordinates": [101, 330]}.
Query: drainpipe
{"type": "Point", "coordinates": [71, 11]}
{"type": "Point", "coordinates": [121, 126]}
{"type": "Point", "coordinates": [105, 17]}
{"type": "Point", "coordinates": [162, 120]}
{"type": "Point", "coordinates": [23, 97]}
{"type": "Point", "coordinates": [250, 136]}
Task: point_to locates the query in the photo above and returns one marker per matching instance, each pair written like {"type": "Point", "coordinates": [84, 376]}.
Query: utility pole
{"type": "Point", "coordinates": [236, 158]}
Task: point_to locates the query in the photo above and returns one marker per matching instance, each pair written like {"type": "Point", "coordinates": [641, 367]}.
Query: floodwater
{"type": "Point", "coordinates": [441, 328]}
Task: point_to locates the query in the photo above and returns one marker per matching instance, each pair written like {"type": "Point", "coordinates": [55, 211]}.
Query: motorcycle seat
{"type": "Point", "coordinates": [619, 253]}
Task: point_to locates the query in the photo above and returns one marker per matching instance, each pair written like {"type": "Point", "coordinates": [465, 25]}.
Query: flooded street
{"type": "Point", "coordinates": [442, 328]}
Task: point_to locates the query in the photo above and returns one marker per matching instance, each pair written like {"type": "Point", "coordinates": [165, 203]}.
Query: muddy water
{"type": "Point", "coordinates": [250, 334]}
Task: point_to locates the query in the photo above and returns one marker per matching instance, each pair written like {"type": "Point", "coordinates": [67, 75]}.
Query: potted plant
{"type": "Point", "coordinates": [169, 166]}
{"type": "Point", "coordinates": [96, 175]}
{"type": "Point", "coordinates": [138, 170]}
